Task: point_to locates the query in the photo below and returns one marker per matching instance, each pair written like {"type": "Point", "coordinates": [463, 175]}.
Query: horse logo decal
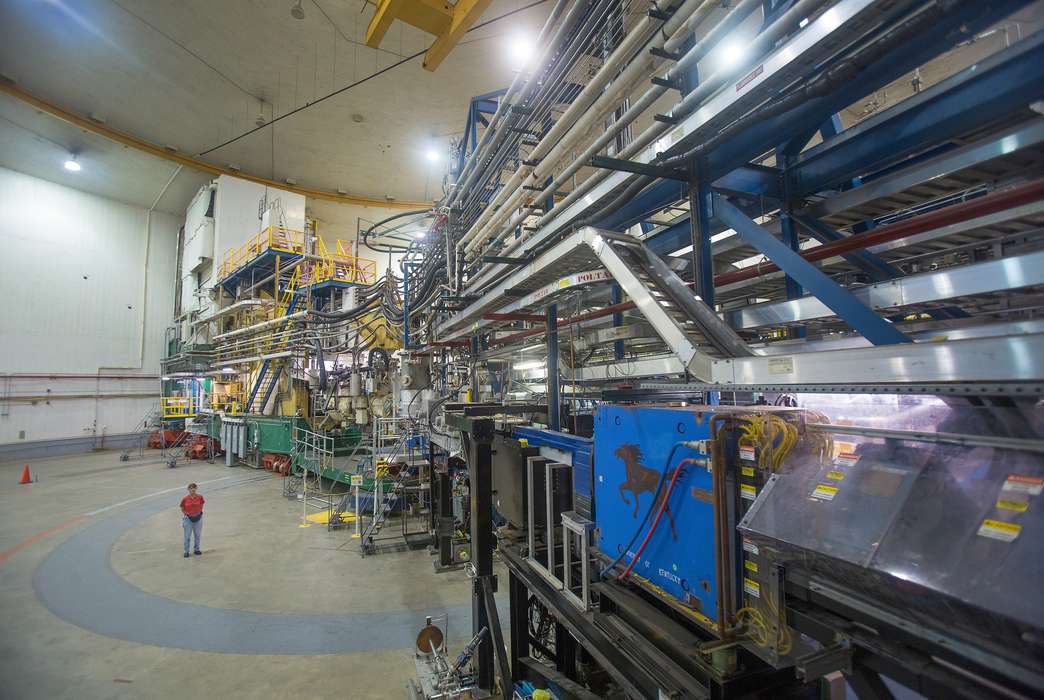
{"type": "Point", "coordinates": [641, 479]}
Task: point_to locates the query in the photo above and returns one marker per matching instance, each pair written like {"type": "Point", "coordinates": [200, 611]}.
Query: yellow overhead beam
{"type": "Point", "coordinates": [465, 13]}
{"type": "Point", "coordinates": [446, 22]}
{"type": "Point", "coordinates": [188, 161]}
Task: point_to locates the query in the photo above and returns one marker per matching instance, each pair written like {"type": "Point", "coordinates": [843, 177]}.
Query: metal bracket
{"type": "Point", "coordinates": [836, 657]}
{"type": "Point", "coordinates": [666, 82]}
{"type": "Point", "coordinates": [630, 166]}
{"type": "Point", "coordinates": [661, 53]}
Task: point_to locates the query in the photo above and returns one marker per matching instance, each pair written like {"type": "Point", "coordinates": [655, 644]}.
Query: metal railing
{"type": "Point", "coordinates": [277, 238]}
{"type": "Point", "coordinates": [178, 407]}
{"type": "Point", "coordinates": [340, 266]}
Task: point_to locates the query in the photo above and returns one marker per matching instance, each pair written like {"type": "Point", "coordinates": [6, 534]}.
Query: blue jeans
{"type": "Point", "coordinates": [191, 528]}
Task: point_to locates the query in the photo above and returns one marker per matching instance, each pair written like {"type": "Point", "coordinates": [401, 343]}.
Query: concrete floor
{"type": "Point", "coordinates": [91, 570]}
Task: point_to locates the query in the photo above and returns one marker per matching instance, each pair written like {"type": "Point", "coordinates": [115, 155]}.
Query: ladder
{"type": "Point", "coordinates": [385, 500]}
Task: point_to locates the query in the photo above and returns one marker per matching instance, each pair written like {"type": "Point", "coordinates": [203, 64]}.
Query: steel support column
{"type": "Point", "coordinates": [841, 301]}
{"type": "Point", "coordinates": [480, 465]}
{"type": "Point", "coordinates": [616, 297]}
{"type": "Point", "coordinates": [702, 256]}
{"type": "Point", "coordinates": [554, 410]}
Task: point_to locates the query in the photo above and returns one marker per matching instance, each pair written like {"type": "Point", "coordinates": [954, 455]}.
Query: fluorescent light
{"type": "Point", "coordinates": [228, 370]}
{"type": "Point", "coordinates": [72, 165]}
{"type": "Point", "coordinates": [432, 155]}
{"type": "Point", "coordinates": [166, 379]}
{"type": "Point", "coordinates": [521, 49]}
{"type": "Point", "coordinates": [536, 364]}
{"type": "Point", "coordinates": [419, 235]}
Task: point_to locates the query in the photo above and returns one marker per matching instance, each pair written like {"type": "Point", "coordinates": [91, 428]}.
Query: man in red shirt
{"type": "Point", "coordinates": [192, 517]}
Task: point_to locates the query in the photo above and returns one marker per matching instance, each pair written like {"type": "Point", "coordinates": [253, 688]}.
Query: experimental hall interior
{"type": "Point", "coordinates": [522, 349]}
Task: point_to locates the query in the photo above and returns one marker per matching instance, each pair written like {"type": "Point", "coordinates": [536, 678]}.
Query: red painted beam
{"type": "Point", "coordinates": [991, 203]}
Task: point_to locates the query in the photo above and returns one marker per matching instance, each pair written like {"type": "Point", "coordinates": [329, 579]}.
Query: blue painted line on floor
{"type": "Point", "coordinates": [77, 583]}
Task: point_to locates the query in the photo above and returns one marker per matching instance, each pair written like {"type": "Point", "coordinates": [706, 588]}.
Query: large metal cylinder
{"type": "Point", "coordinates": [355, 384]}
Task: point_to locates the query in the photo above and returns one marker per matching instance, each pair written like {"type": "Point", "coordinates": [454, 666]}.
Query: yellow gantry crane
{"type": "Point", "coordinates": [446, 21]}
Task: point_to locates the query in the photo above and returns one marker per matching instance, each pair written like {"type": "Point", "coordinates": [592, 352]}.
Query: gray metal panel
{"type": "Point", "coordinates": [1004, 359]}
{"type": "Point", "coordinates": [978, 278]}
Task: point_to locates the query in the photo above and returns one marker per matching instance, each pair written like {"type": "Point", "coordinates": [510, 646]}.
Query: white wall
{"type": "Point", "coordinates": [78, 299]}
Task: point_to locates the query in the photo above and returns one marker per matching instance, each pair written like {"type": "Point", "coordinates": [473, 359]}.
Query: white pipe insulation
{"type": "Point", "coordinates": [579, 118]}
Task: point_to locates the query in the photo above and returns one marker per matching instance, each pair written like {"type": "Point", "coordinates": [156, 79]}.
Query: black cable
{"type": "Point", "coordinates": [648, 512]}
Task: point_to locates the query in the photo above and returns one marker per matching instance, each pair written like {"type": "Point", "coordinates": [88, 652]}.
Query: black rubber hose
{"type": "Point", "coordinates": [648, 512]}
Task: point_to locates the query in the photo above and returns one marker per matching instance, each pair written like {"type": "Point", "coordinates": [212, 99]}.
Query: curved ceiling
{"type": "Point", "coordinates": [193, 74]}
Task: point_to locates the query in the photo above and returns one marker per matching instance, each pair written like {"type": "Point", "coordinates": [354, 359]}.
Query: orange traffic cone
{"type": "Point", "coordinates": [26, 477]}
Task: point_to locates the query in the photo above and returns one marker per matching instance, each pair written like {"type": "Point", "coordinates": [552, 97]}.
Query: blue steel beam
{"type": "Point", "coordinates": [761, 181]}
{"type": "Point", "coordinates": [700, 235]}
{"type": "Point", "coordinates": [648, 202]}
{"type": "Point", "coordinates": [841, 301]}
{"type": "Point", "coordinates": [962, 22]}
{"type": "Point", "coordinates": [876, 268]}
{"type": "Point", "coordinates": [989, 90]}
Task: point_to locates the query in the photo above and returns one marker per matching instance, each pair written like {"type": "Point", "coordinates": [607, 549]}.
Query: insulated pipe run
{"type": "Point", "coordinates": [479, 155]}
{"type": "Point", "coordinates": [691, 57]}
{"type": "Point", "coordinates": [762, 44]}
{"type": "Point", "coordinates": [578, 118]}
{"type": "Point", "coordinates": [261, 326]}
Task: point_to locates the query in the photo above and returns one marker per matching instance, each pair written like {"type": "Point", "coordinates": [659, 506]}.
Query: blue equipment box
{"type": "Point", "coordinates": [631, 445]}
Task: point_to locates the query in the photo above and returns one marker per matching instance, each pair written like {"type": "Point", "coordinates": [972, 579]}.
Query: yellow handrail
{"type": "Point", "coordinates": [178, 406]}
{"type": "Point", "coordinates": [339, 267]}
{"type": "Point", "coordinates": [277, 238]}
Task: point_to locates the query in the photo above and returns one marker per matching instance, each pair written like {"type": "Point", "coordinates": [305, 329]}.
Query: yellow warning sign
{"type": "Point", "coordinates": [749, 492]}
{"type": "Point", "coordinates": [835, 474]}
{"type": "Point", "coordinates": [1017, 506]}
{"type": "Point", "coordinates": [751, 587]}
{"type": "Point", "coordinates": [999, 530]}
{"type": "Point", "coordinates": [825, 492]}
{"type": "Point", "coordinates": [747, 471]}
{"type": "Point", "coordinates": [752, 566]}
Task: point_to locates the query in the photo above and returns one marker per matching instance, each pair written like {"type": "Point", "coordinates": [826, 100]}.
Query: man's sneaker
{"type": "Point", "coordinates": [196, 552]}
{"type": "Point", "coordinates": [186, 555]}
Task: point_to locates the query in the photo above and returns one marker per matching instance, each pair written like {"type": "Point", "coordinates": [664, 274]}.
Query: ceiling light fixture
{"type": "Point", "coordinates": [432, 155]}
{"type": "Point", "coordinates": [72, 164]}
{"type": "Point", "coordinates": [521, 50]}
{"type": "Point", "coordinates": [297, 12]}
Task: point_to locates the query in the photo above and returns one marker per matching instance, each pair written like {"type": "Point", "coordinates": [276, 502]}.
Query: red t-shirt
{"type": "Point", "coordinates": [192, 504]}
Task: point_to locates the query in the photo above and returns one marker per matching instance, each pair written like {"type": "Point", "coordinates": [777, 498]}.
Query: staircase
{"type": "Point", "coordinates": [385, 499]}
{"type": "Point", "coordinates": [285, 306]}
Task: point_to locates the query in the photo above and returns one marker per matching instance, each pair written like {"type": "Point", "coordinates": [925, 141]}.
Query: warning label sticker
{"type": "Point", "coordinates": [749, 547]}
{"type": "Point", "coordinates": [846, 459]}
{"type": "Point", "coordinates": [781, 365]}
{"type": "Point", "coordinates": [1008, 504]}
{"type": "Point", "coordinates": [999, 530]}
{"type": "Point", "coordinates": [747, 471]}
{"type": "Point", "coordinates": [835, 474]}
{"type": "Point", "coordinates": [1031, 485]}
{"type": "Point", "coordinates": [749, 492]}
{"type": "Point", "coordinates": [752, 566]}
{"type": "Point", "coordinates": [746, 452]}
{"type": "Point", "coordinates": [825, 492]}
{"type": "Point", "coordinates": [751, 587]}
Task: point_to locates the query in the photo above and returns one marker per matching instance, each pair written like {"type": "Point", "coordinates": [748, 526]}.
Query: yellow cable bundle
{"type": "Point", "coordinates": [775, 436]}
